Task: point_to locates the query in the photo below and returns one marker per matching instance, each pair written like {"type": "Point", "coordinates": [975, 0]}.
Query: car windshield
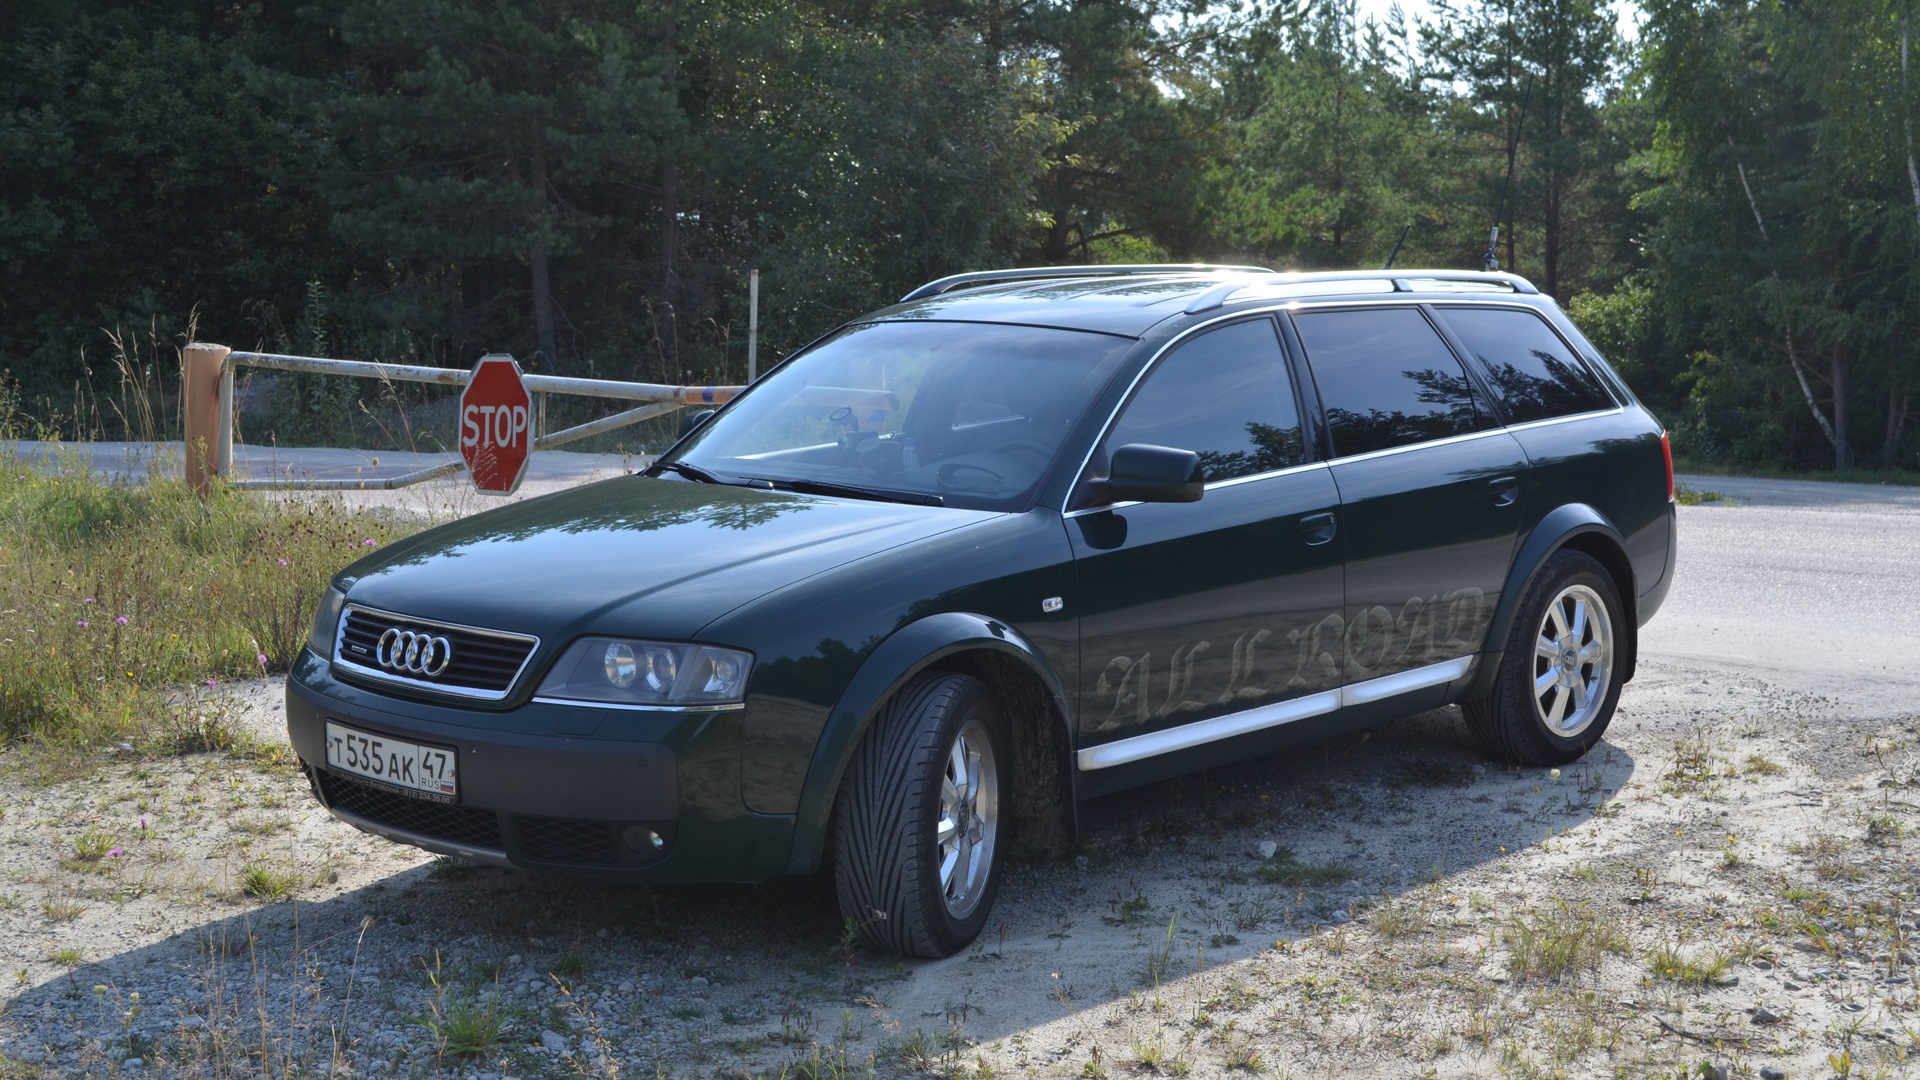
{"type": "Point", "coordinates": [965, 414]}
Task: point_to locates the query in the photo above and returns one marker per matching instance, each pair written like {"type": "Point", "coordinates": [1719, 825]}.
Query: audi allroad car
{"type": "Point", "coordinates": [1024, 538]}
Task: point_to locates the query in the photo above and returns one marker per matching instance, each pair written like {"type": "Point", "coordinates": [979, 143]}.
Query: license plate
{"type": "Point", "coordinates": [407, 765]}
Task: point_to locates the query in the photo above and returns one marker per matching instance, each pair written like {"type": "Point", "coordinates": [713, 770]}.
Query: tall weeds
{"type": "Point", "coordinates": [113, 595]}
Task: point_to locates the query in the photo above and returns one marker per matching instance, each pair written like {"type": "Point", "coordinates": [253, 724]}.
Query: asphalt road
{"type": "Point", "coordinates": [1807, 585]}
{"type": "Point", "coordinates": [547, 471]}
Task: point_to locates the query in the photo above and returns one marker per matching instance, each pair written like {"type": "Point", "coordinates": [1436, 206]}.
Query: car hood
{"type": "Point", "coordinates": [632, 555]}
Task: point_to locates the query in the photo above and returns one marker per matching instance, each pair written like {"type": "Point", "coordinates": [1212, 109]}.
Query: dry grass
{"type": "Point", "coordinates": [114, 595]}
{"type": "Point", "coordinates": [1561, 941]}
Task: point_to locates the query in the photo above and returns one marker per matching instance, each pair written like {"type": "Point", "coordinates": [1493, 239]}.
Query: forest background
{"type": "Point", "coordinates": [1728, 204]}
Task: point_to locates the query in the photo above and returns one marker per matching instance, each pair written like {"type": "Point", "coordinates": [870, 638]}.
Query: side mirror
{"type": "Point", "coordinates": [691, 422]}
{"type": "Point", "coordinates": [1142, 472]}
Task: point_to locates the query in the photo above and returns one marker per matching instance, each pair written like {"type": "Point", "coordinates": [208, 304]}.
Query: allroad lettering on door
{"type": "Point", "coordinates": [1331, 651]}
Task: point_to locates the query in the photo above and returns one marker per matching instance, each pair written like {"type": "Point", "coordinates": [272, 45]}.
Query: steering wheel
{"type": "Point", "coordinates": [1027, 446]}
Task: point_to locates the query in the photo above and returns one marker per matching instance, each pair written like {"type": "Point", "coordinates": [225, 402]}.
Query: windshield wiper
{"type": "Point", "coordinates": [822, 487]}
{"type": "Point", "coordinates": [696, 473]}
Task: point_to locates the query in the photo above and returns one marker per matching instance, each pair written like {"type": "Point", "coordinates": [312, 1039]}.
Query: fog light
{"type": "Point", "coordinates": [641, 838]}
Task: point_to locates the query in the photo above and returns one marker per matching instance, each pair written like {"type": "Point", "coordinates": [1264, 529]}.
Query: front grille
{"type": "Point", "coordinates": [485, 662]}
{"type": "Point", "coordinates": [459, 825]}
{"type": "Point", "coordinates": [562, 840]}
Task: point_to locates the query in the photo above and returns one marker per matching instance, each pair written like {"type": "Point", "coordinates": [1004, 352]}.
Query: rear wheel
{"type": "Point", "coordinates": [917, 831]}
{"type": "Point", "coordinates": [1557, 686]}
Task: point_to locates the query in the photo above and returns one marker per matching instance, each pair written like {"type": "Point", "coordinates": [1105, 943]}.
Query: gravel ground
{"type": "Point", "coordinates": [228, 928]}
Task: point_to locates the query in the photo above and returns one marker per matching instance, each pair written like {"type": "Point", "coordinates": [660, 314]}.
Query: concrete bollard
{"type": "Point", "coordinates": [202, 368]}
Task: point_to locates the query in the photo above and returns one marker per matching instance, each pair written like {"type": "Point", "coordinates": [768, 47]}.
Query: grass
{"type": "Point", "coordinates": [1897, 477]}
{"type": "Point", "coordinates": [571, 964]}
{"type": "Point", "coordinates": [1884, 830]}
{"type": "Point", "coordinates": [1687, 496]}
{"type": "Point", "coordinates": [1695, 769]}
{"type": "Point", "coordinates": [1399, 920]}
{"type": "Point", "coordinates": [92, 845]}
{"type": "Point", "coordinates": [1285, 868]}
{"type": "Point", "coordinates": [1705, 970]}
{"type": "Point", "coordinates": [462, 1024]}
{"type": "Point", "coordinates": [1560, 942]}
{"type": "Point", "coordinates": [266, 883]}
{"type": "Point", "coordinates": [1829, 857]}
{"type": "Point", "coordinates": [1159, 965]}
{"type": "Point", "coordinates": [115, 594]}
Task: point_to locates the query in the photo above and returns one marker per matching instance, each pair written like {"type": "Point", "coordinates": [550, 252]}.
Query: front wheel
{"type": "Point", "coordinates": [1558, 684]}
{"type": "Point", "coordinates": [917, 831]}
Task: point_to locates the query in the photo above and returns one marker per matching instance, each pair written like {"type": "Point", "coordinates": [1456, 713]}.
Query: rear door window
{"type": "Point", "coordinates": [1387, 379]}
{"type": "Point", "coordinates": [1533, 373]}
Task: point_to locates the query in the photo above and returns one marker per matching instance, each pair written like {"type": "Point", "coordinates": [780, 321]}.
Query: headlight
{"type": "Point", "coordinates": [617, 671]}
{"type": "Point", "coordinates": [326, 622]}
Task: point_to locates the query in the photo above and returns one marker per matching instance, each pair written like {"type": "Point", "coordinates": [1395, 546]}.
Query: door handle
{"type": "Point", "coordinates": [1505, 490]}
{"type": "Point", "coordinates": [1317, 528]}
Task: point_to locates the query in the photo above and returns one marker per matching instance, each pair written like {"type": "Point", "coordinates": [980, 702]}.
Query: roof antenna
{"type": "Point", "coordinates": [1396, 246]}
{"type": "Point", "coordinates": [1492, 257]}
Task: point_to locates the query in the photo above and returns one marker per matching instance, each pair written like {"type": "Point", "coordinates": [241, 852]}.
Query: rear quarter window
{"type": "Point", "coordinates": [1532, 372]}
{"type": "Point", "coordinates": [1387, 379]}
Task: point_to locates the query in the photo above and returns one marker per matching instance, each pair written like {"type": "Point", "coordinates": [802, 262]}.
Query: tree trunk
{"type": "Point", "coordinates": [539, 256]}
{"type": "Point", "coordinates": [1836, 431]}
{"type": "Point", "coordinates": [1806, 393]}
{"type": "Point", "coordinates": [1906, 121]}
{"type": "Point", "coordinates": [1898, 402]}
{"type": "Point", "coordinates": [669, 182]}
{"type": "Point", "coordinates": [1550, 241]}
{"type": "Point", "coordinates": [1056, 245]}
{"type": "Point", "coordinates": [669, 222]}
{"type": "Point", "coordinates": [1513, 261]}
{"type": "Point", "coordinates": [1897, 398]}
{"type": "Point", "coordinates": [1547, 135]}
{"type": "Point", "coordinates": [1840, 365]}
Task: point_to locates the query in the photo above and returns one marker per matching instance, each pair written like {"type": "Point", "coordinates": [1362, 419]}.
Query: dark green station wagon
{"type": "Point", "coordinates": [1026, 537]}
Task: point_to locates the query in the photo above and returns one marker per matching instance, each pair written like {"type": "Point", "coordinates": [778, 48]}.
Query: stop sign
{"type": "Point", "coordinates": [496, 430]}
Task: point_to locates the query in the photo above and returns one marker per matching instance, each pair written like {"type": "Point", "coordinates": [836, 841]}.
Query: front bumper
{"type": "Point", "coordinates": [596, 807]}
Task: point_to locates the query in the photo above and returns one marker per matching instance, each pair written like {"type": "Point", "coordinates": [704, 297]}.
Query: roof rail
{"type": "Point", "coordinates": [1030, 273]}
{"type": "Point", "coordinates": [1322, 282]}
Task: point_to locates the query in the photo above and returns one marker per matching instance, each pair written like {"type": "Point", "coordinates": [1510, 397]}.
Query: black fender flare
{"type": "Point", "coordinates": [906, 652]}
{"type": "Point", "coordinates": [1571, 524]}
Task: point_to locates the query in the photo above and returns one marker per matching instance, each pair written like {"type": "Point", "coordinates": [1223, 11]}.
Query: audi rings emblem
{"type": "Point", "coordinates": [413, 652]}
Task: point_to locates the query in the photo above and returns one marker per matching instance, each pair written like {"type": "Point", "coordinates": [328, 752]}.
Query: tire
{"type": "Point", "coordinates": [1557, 686]}
{"type": "Point", "coordinates": [917, 856]}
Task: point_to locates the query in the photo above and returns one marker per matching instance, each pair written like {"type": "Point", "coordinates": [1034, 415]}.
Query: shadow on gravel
{"type": "Point", "coordinates": [1170, 882]}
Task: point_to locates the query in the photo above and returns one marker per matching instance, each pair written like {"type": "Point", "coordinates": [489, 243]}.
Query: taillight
{"type": "Point", "coordinates": [1666, 451]}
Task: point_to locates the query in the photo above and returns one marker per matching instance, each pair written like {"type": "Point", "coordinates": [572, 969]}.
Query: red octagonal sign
{"type": "Point", "coordinates": [496, 430]}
